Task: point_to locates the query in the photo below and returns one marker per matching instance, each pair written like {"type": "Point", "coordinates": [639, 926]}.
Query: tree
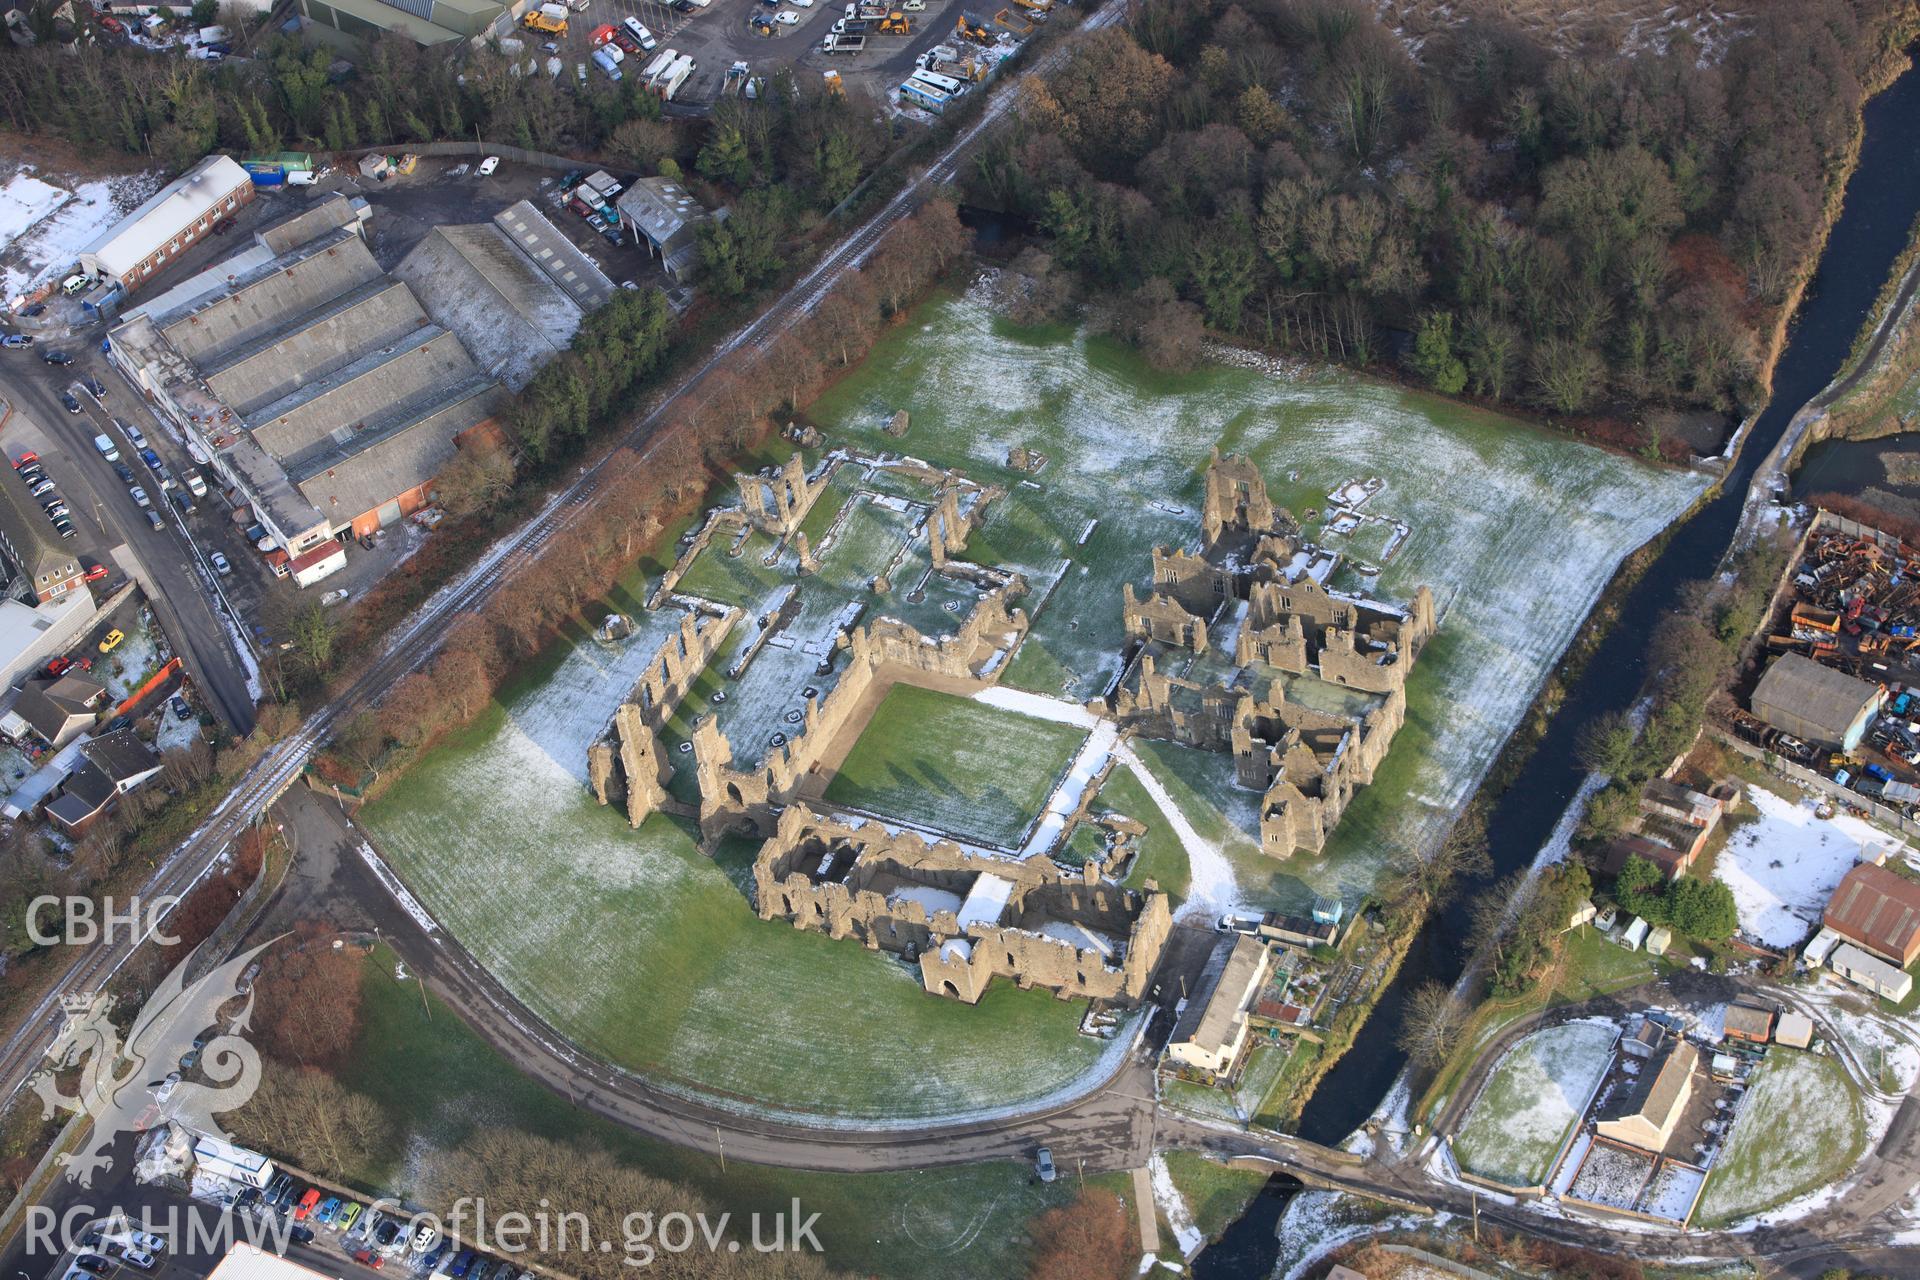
{"type": "Point", "coordinates": [205, 12]}
{"type": "Point", "coordinates": [1566, 374]}
{"type": "Point", "coordinates": [725, 157]}
{"type": "Point", "coordinates": [307, 998]}
{"type": "Point", "coordinates": [1088, 1238]}
{"type": "Point", "coordinates": [305, 1114]}
{"type": "Point", "coordinates": [476, 481]}
{"type": "Point", "coordinates": [1642, 889]}
{"type": "Point", "coordinates": [313, 630]}
{"type": "Point", "coordinates": [1702, 908]}
{"type": "Point", "coordinates": [1433, 357]}
{"type": "Point", "coordinates": [1430, 1024]}
{"type": "Point", "coordinates": [1607, 744]}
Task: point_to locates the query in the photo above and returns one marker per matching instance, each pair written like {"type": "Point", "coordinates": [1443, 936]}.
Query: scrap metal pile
{"type": "Point", "coordinates": [1859, 603]}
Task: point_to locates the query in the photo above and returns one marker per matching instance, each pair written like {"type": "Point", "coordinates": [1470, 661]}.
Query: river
{"type": "Point", "coordinates": [1882, 199]}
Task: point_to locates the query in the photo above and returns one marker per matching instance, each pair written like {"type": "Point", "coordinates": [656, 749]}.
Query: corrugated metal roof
{"type": "Point", "coordinates": [1796, 687]}
{"type": "Point", "coordinates": [1879, 909]}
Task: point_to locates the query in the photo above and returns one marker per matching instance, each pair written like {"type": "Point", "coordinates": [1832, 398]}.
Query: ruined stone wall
{"type": "Point", "coordinates": [1161, 619]}
{"type": "Point", "coordinates": [777, 506]}
{"type": "Point", "coordinates": [887, 649]}
{"type": "Point", "coordinates": [1200, 585]}
{"type": "Point", "coordinates": [863, 861]}
{"type": "Point", "coordinates": [631, 768]}
{"type": "Point", "coordinates": [1236, 499]}
{"type": "Point", "coordinates": [730, 522]}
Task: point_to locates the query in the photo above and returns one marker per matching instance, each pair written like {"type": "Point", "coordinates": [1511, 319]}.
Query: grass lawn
{"type": "Point", "coordinates": [1799, 1128]}
{"type": "Point", "coordinates": [1215, 1194]}
{"type": "Point", "coordinates": [645, 951]}
{"type": "Point", "coordinates": [955, 764]}
{"type": "Point", "coordinates": [1161, 857]}
{"type": "Point", "coordinates": [440, 1083]}
{"type": "Point", "coordinates": [1532, 1101]}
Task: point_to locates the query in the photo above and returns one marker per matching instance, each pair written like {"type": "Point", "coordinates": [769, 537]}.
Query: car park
{"type": "Point", "coordinates": [70, 401]}
{"type": "Point", "coordinates": [16, 341]}
{"type": "Point", "coordinates": [57, 357]}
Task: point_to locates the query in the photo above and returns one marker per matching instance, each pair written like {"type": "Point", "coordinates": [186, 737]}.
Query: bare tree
{"type": "Point", "coordinates": [1431, 1024]}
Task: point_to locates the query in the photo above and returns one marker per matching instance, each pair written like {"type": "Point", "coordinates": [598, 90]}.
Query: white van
{"type": "Point", "coordinates": [75, 283]}
{"type": "Point", "coordinates": [105, 446]}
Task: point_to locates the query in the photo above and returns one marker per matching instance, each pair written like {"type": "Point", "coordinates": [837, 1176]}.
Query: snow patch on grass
{"type": "Point", "coordinates": [1532, 1100]}
{"type": "Point", "coordinates": [1799, 1127]}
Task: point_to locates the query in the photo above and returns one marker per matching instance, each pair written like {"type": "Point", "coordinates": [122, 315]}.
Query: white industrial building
{"type": "Point", "coordinates": [180, 213]}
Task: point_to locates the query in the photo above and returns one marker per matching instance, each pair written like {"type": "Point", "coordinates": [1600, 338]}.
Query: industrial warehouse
{"type": "Point", "coordinates": [330, 393]}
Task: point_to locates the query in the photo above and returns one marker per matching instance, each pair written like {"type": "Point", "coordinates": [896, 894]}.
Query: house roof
{"type": "Point", "coordinates": [1666, 857]}
{"type": "Point", "coordinates": [663, 210]}
{"type": "Point", "coordinates": [556, 256]}
{"type": "Point", "coordinates": [1745, 1019]}
{"type": "Point", "coordinates": [76, 693]}
{"type": "Point", "coordinates": [1878, 909]}
{"type": "Point", "coordinates": [87, 791]}
{"type": "Point", "coordinates": [1798, 687]}
{"type": "Point", "coordinates": [172, 210]}
{"type": "Point", "coordinates": [1658, 1089]}
{"type": "Point", "coordinates": [1221, 1012]}
{"type": "Point", "coordinates": [31, 545]}
{"type": "Point", "coordinates": [121, 756]}
{"type": "Point", "coordinates": [48, 716]}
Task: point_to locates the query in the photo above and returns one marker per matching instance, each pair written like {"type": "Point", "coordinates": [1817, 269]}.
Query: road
{"type": "Point", "coordinates": [418, 640]}
{"type": "Point", "coordinates": [165, 562]}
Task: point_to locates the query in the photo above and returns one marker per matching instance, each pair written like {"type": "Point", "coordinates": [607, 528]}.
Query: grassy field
{"type": "Point", "coordinates": [644, 950]}
{"type": "Point", "coordinates": [441, 1083]}
{"type": "Point", "coordinates": [1531, 1102]}
{"type": "Point", "coordinates": [1515, 529]}
{"type": "Point", "coordinates": [1799, 1128]}
{"type": "Point", "coordinates": [1215, 1194]}
{"type": "Point", "coordinates": [954, 764]}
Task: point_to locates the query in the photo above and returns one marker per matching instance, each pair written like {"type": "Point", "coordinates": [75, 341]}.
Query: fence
{"type": "Point", "coordinates": [1846, 797]}
{"type": "Point", "coordinates": [1437, 1262]}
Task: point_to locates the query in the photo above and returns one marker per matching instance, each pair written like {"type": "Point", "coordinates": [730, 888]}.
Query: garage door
{"type": "Point", "coordinates": [389, 513]}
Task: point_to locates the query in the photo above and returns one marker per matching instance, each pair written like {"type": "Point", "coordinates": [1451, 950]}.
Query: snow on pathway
{"type": "Point", "coordinates": [1186, 1236]}
{"type": "Point", "coordinates": [1211, 886]}
{"type": "Point", "coordinates": [1038, 705]}
{"type": "Point", "coordinates": [1092, 758]}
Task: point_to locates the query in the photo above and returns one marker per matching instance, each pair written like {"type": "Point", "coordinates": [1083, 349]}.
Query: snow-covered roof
{"type": "Point", "coordinates": [172, 210]}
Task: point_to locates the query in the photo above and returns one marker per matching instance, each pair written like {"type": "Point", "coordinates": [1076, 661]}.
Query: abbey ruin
{"type": "Point", "coordinates": [1260, 587]}
{"type": "Point", "coordinates": [1237, 646]}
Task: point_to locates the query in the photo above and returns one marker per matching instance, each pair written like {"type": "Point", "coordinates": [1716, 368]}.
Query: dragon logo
{"type": "Point", "coordinates": [134, 1086]}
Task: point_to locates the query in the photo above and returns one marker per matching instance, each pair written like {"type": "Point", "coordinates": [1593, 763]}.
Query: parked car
{"type": "Point", "coordinates": [281, 1184]}
{"type": "Point", "coordinates": [462, 1263]}
{"type": "Point", "coordinates": [57, 357]}
{"type": "Point", "coordinates": [70, 401]}
{"type": "Point", "coordinates": [219, 563]}
{"type": "Point", "coordinates": [154, 521]}
{"type": "Point", "coordinates": [110, 23]}
{"type": "Point", "coordinates": [368, 1258]}
{"type": "Point", "coordinates": [92, 1262]}
{"type": "Point", "coordinates": [1043, 1165]}
{"type": "Point", "coordinates": [55, 510]}
{"type": "Point", "coordinates": [488, 165]}
{"type": "Point", "coordinates": [190, 1059]}
{"type": "Point", "coordinates": [328, 1207]}
{"type": "Point", "coordinates": [112, 640]}
{"type": "Point", "coordinates": [26, 459]}
{"type": "Point", "coordinates": [137, 1258]}
{"type": "Point", "coordinates": [300, 1234]}
{"type": "Point", "coordinates": [350, 1211]}
{"type": "Point", "coordinates": [139, 496]}
{"type": "Point", "coordinates": [183, 500]}
{"type": "Point", "coordinates": [32, 473]}
{"type": "Point", "coordinates": [152, 460]}
{"type": "Point", "coordinates": [304, 1209]}
{"type": "Point", "coordinates": [181, 711]}
{"type": "Point", "coordinates": [64, 527]}
{"type": "Point", "coordinates": [134, 435]}
{"type": "Point", "coordinates": [16, 341]}
{"type": "Point", "coordinates": [386, 1232]}
{"type": "Point", "coordinates": [94, 389]}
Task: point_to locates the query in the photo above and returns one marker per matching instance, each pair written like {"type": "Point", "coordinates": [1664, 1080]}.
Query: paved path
{"type": "Point", "coordinates": [1143, 1201]}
